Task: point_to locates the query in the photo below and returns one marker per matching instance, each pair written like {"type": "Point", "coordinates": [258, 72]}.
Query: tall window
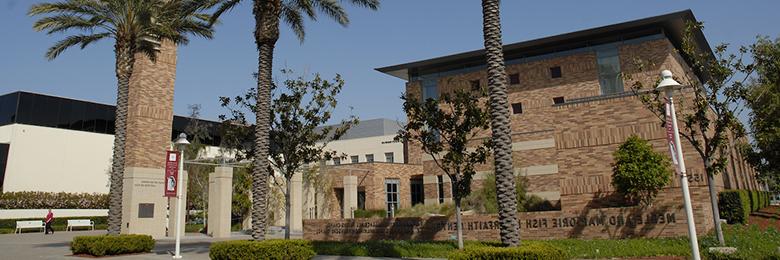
{"type": "Point", "coordinates": [389, 157]}
{"type": "Point", "coordinates": [391, 190]}
{"type": "Point", "coordinates": [369, 158]}
{"type": "Point", "coordinates": [418, 194]}
{"type": "Point", "coordinates": [361, 200]}
{"type": "Point", "coordinates": [429, 89]}
{"type": "Point", "coordinates": [609, 71]}
{"type": "Point", "coordinates": [354, 159]}
{"type": "Point", "coordinates": [441, 188]}
{"type": "Point", "coordinates": [3, 162]}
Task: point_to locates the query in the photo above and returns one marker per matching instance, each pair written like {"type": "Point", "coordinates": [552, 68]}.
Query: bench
{"type": "Point", "coordinates": [79, 223]}
{"type": "Point", "coordinates": [28, 224]}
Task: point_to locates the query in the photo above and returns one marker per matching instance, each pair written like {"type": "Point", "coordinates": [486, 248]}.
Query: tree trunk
{"type": "Point", "coordinates": [714, 203]}
{"type": "Point", "coordinates": [266, 33]}
{"type": "Point", "coordinates": [124, 70]}
{"type": "Point", "coordinates": [287, 209]}
{"type": "Point", "coordinates": [459, 223]}
{"type": "Point", "coordinates": [499, 111]}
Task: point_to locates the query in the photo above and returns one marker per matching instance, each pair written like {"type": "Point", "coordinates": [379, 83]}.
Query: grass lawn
{"type": "Point", "coordinates": [751, 242]}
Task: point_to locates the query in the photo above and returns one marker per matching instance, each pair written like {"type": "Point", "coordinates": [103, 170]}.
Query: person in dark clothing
{"type": "Point", "coordinates": [49, 221]}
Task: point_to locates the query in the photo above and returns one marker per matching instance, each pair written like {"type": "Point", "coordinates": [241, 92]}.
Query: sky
{"type": "Point", "coordinates": [400, 31]}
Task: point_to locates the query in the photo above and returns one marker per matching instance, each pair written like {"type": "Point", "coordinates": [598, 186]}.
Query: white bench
{"type": "Point", "coordinates": [28, 224]}
{"type": "Point", "coordinates": [80, 223]}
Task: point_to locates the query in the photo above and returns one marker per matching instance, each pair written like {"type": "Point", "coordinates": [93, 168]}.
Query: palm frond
{"type": "Point", "coordinates": [224, 6]}
{"type": "Point", "coordinates": [294, 19]}
{"type": "Point", "coordinates": [333, 9]}
{"type": "Point", "coordinates": [64, 22]}
{"type": "Point", "coordinates": [371, 4]}
{"type": "Point", "coordinates": [70, 41]}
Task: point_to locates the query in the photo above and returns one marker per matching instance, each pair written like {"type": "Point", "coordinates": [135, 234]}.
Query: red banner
{"type": "Point", "coordinates": [670, 135]}
{"type": "Point", "coordinates": [171, 173]}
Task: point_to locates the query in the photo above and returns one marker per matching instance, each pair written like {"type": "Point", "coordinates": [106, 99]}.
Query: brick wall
{"type": "Point", "coordinates": [371, 179]}
{"type": "Point", "coordinates": [150, 112]}
{"type": "Point", "coordinates": [587, 129]}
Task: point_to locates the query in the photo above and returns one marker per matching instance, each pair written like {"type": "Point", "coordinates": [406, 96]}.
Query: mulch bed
{"type": "Point", "coordinates": [766, 217]}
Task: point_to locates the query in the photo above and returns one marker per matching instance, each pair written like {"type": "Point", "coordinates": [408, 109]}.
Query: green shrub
{"type": "Point", "coordinates": [370, 213]}
{"type": "Point", "coordinates": [734, 206]}
{"type": "Point", "coordinates": [111, 245]}
{"type": "Point", "coordinates": [266, 249]}
{"type": "Point", "coordinates": [52, 200]}
{"type": "Point", "coordinates": [639, 172]}
{"type": "Point", "coordinates": [528, 250]}
{"type": "Point", "coordinates": [753, 200]}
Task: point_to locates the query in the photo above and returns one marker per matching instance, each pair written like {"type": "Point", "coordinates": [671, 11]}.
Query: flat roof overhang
{"type": "Point", "coordinates": [672, 25]}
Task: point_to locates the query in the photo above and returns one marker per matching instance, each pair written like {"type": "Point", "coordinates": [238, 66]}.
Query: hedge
{"type": "Point", "coordinates": [52, 200]}
{"type": "Point", "coordinates": [111, 245]}
{"type": "Point", "coordinates": [734, 206]}
{"type": "Point", "coordinates": [528, 250]}
{"type": "Point", "coordinates": [266, 249]}
{"type": "Point", "coordinates": [362, 213]}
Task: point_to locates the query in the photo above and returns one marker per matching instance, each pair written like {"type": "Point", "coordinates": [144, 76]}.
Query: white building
{"type": "Point", "coordinates": [56, 144]}
{"type": "Point", "coordinates": [369, 141]}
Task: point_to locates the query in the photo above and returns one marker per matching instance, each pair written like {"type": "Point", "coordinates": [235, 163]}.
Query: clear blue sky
{"type": "Point", "coordinates": [401, 31]}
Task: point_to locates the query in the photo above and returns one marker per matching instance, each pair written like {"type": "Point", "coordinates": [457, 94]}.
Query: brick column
{"type": "Point", "coordinates": [149, 122]}
{"type": "Point", "coordinates": [431, 189]}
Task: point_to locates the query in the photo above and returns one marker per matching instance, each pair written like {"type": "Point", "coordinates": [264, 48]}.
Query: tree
{"type": "Point", "coordinates": [197, 174]}
{"type": "Point", "coordinates": [297, 115]}
{"type": "Point", "coordinates": [267, 15]}
{"type": "Point", "coordinates": [763, 99]}
{"type": "Point", "coordinates": [499, 112]}
{"type": "Point", "coordinates": [639, 173]}
{"type": "Point", "coordinates": [444, 131]}
{"type": "Point", "coordinates": [710, 124]}
{"type": "Point", "coordinates": [137, 27]}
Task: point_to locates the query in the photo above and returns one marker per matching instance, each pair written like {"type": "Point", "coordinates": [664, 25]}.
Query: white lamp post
{"type": "Point", "coordinates": [669, 85]}
{"type": "Point", "coordinates": [180, 143]}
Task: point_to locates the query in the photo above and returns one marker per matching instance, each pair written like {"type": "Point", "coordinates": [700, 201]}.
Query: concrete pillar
{"type": "Point", "coordinates": [296, 203]}
{"type": "Point", "coordinates": [350, 196]}
{"type": "Point", "coordinates": [173, 213]}
{"type": "Point", "coordinates": [144, 207]}
{"type": "Point", "coordinates": [220, 202]}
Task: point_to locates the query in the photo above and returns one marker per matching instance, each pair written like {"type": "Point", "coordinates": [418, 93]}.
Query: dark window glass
{"type": "Point", "coordinates": [8, 108]}
{"type": "Point", "coordinates": [26, 108]}
{"type": "Point", "coordinates": [474, 85]}
{"type": "Point", "coordinates": [369, 158]}
{"type": "Point", "coordinates": [392, 195]}
{"type": "Point", "coordinates": [389, 157]}
{"type": "Point", "coordinates": [361, 200]}
{"type": "Point", "coordinates": [418, 194]}
{"type": "Point", "coordinates": [441, 188]}
{"type": "Point", "coordinates": [3, 162]}
{"type": "Point", "coordinates": [354, 159]}
{"type": "Point", "coordinates": [609, 71]}
{"type": "Point", "coordinates": [90, 117]}
{"type": "Point", "coordinates": [517, 108]}
{"type": "Point", "coordinates": [336, 161]}
{"type": "Point", "coordinates": [429, 89]}
{"type": "Point", "coordinates": [63, 117]}
{"type": "Point", "coordinates": [558, 100]}
{"type": "Point", "coordinates": [514, 79]}
{"type": "Point", "coordinates": [76, 115]}
{"type": "Point", "coordinates": [44, 111]}
{"type": "Point", "coordinates": [555, 72]}
{"type": "Point", "coordinates": [110, 116]}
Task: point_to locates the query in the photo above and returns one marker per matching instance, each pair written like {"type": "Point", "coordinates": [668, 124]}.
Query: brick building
{"type": "Point", "coordinates": [570, 110]}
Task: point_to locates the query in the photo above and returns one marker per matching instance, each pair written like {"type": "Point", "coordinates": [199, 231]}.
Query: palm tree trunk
{"type": "Point", "coordinates": [124, 70]}
{"type": "Point", "coordinates": [287, 209]}
{"type": "Point", "coordinates": [266, 34]}
{"type": "Point", "coordinates": [499, 111]}
{"type": "Point", "coordinates": [714, 203]}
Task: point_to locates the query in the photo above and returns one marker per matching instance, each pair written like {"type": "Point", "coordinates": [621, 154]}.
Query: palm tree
{"type": "Point", "coordinates": [267, 14]}
{"type": "Point", "coordinates": [499, 112]}
{"type": "Point", "coordinates": [137, 26]}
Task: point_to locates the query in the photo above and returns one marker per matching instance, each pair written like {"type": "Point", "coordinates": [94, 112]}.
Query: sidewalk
{"type": "Point", "coordinates": [57, 246]}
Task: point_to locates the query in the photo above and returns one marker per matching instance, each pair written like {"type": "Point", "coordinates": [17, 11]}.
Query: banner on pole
{"type": "Point", "coordinates": [171, 172]}
{"type": "Point", "coordinates": [670, 136]}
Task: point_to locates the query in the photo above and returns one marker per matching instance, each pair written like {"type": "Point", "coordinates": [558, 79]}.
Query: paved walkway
{"type": "Point", "coordinates": [57, 246]}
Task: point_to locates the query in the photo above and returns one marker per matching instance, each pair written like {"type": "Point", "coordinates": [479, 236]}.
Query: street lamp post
{"type": "Point", "coordinates": [181, 143]}
{"type": "Point", "coordinates": [669, 85]}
